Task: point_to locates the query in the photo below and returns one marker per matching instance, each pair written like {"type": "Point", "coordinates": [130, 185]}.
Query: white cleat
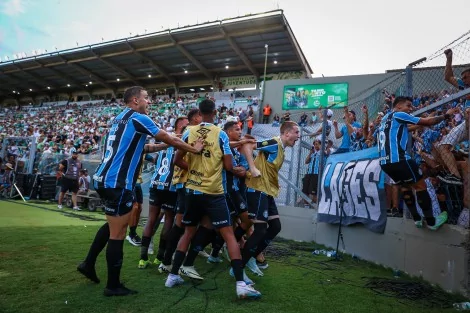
{"type": "Point", "coordinates": [245, 291]}
{"type": "Point", "coordinates": [173, 280]}
{"type": "Point", "coordinates": [164, 269]}
{"type": "Point", "coordinates": [190, 272]}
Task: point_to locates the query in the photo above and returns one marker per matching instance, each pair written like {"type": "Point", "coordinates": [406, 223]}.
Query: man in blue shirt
{"type": "Point", "coordinates": [115, 179]}
{"type": "Point", "coordinates": [347, 130]}
{"type": "Point", "coordinates": [397, 163]}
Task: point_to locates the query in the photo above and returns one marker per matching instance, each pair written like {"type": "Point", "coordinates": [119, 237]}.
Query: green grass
{"type": "Point", "coordinates": [39, 251]}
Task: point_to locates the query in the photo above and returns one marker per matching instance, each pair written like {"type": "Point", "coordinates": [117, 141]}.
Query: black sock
{"type": "Point", "coordinates": [425, 203]}
{"type": "Point", "coordinates": [172, 242]}
{"type": "Point", "coordinates": [98, 244]}
{"type": "Point", "coordinates": [161, 245]}
{"type": "Point", "coordinates": [249, 249]}
{"type": "Point", "coordinates": [217, 244]}
{"type": "Point", "coordinates": [239, 232]}
{"type": "Point", "coordinates": [132, 231]}
{"type": "Point", "coordinates": [273, 230]}
{"type": "Point", "coordinates": [144, 248]}
{"type": "Point", "coordinates": [237, 266]}
{"type": "Point", "coordinates": [409, 199]}
{"type": "Point", "coordinates": [114, 256]}
{"type": "Point", "coordinates": [177, 261]}
{"type": "Point", "coordinates": [201, 239]}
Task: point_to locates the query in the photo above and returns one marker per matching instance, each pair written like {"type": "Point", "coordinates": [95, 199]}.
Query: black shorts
{"type": "Point", "coordinates": [116, 201]}
{"type": "Point", "coordinates": [69, 185]}
{"type": "Point", "coordinates": [310, 184]}
{"type": "Point", "coordinates": [180, 201]}
{"type": "Point", "coordinates": [164, 199]}
{"type": "Point", "coordinates": [236, 203]}
{"type": "Point", "coordinates": [214, 206]}
{"type": "Point", "coordinates": [138, 195]}
{"type": "Point", "coordinates": [260, 205]}
{"type": "Point", "coordinates": [403, 172]}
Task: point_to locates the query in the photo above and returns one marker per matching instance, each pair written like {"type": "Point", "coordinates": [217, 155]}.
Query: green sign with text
{"type": "Point", "coordinates": [305, 97]}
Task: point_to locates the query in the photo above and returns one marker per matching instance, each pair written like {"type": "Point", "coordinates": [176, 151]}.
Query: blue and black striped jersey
{"type": "Point", "coordinates": [124, 146]}
{"type": "Point", "coordinates": [164, 166]}
{"type": "Point", "coordinates": [393, 137]}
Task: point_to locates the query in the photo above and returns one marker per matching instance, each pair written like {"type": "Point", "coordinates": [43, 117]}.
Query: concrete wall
{"type": "Point", "coordinates": [440, 257]}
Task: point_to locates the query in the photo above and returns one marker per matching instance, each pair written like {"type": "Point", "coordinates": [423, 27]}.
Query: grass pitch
{"type": "Point", "coordinates": [41, 246]}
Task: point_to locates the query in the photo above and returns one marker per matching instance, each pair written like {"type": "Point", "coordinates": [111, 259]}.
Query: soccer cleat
{"type": "Point", "coordinates": [173, 280]}
{"type": "Point", "coordinates": [262, 265]}
{"type": "Point", "coordinates": [120, 291]}
{"type": "Point", "coordinates": [157, 261]}
{"type": "Point", "coordinates": [76, 208]}
{"type": "Point", "coordinates": [143, 264]}
{"type": "Point", "coordinates": [246, 279]}
{"type": "Point", "coordinates": [162, 268]}
{"type": "Point", "coordinates": [59, 206]}
{"type": "Point", "coordinates": [253, 267]}
{"type": "Point", "coordinates": [88, 271]}
{"type": "Point", "coordinates": [419, 224]}
{"type": "Point", "coordinates": [190, 272]}
{"type": "Point", "coordinates": [212, 259]}
{"type": "Point", "coordinates": [440, 220]}
{"type": "Point", "coordinates": [203, 254]}
{"type": "Point", "coordinates": [245, 291]}
{"type": "Point", "coordinates": [135, 241]}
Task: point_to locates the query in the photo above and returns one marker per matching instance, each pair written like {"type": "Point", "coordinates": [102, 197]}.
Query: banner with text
{"type": "Point", "coordinates": [305, 97]}
{"type": "Point", "coordinates": [249, 81]}
{"type": "Point", "coordinates": [356, 180]}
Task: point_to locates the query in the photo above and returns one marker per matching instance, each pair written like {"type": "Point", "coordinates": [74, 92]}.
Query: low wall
{"type": "Point", "coordinates": [440, 257]}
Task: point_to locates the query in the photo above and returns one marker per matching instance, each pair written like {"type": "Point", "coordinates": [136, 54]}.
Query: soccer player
{"type": "Point", "coordinates": [397, 163]}
{"type": "Point", "coordinates": [263, 186]}
{"type": "Point", "coordinates": [205, 195]}
{"type": "Point", "coordinates": [115, 179]}
{"type": "Point", "coordinates": [162, 196]}
{"type": "Point", "coordinates": [178, 180]}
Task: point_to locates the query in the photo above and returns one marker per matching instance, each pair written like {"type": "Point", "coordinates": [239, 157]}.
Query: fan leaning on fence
{"type": "Point", "coordinates": [397, 163]}
{"type": "Point", "coordinates": [459, 133]}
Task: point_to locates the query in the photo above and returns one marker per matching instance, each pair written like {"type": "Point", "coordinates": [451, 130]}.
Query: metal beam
{"type": "Point", "coordinates": [37, 78]}
{"type": "Point", "coordinates": [149, 61]}
{"type": "Point", "coordinates": [61, 75]}
{"type": "Point", "coordinates": [239, 52]}
{"type": "Point", "coordinates": [90, 74]}
{"type": "Point", "coordinates": [116, 68]}
{"type": "Point", "coordinates": [86, 72]}
{"type": "Point", "coordinates": [191, 58]}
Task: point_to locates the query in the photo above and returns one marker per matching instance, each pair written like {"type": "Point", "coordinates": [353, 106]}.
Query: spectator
{"type": "Point", "coordinates": [266, 113]}
{"type": "Point", "coordinates": [303, 120]}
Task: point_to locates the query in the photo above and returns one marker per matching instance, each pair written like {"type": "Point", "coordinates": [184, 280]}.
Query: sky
{"type": "Point", "coordinates": [341, 37]}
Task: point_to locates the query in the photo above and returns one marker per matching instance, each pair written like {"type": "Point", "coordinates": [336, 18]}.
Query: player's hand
{"type": "Point", "coordinates": [239, 171]}
{"type": "Point", "coordinates": [199, 144]}
{"type": "Point", "coordinates": [448, 53]}
{"type": "Point", "coordinates": [247, 141]}
{"type": "Point", "coordinates": [255, 172]}
{"type": "Point", "coordinates": [335, 123]}
{"type": "Point", "coordinates": [365, 109]}
{"type": "Point", "coordinates": [248, 137]}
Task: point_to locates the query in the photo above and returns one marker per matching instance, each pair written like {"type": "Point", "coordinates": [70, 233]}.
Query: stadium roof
{"type": "Point", "coordinates": [185, 56]}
